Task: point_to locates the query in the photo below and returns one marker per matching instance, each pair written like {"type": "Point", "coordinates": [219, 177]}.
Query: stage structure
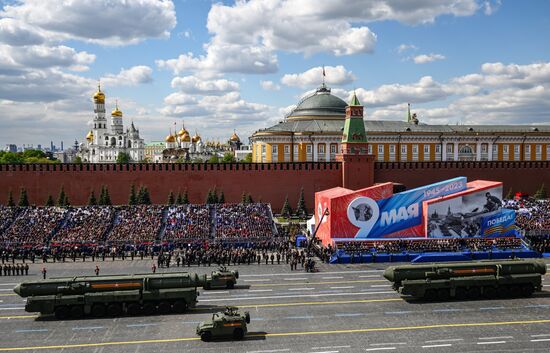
{"type": "Point", "coordinates": [453, 208]}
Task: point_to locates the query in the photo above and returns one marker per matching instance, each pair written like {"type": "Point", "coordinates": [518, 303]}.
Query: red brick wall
{"type": "Point", "coordinates": [267, 182]}
{"type": "Point", "coordinates": [520, 176]}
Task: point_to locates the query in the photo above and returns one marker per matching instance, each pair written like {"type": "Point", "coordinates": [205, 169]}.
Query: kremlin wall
{"type": "Point", "coordinates": [267, 182]}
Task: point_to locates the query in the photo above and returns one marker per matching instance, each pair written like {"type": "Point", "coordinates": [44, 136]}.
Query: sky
{"type": "Point", "coordinates": [243, 65]}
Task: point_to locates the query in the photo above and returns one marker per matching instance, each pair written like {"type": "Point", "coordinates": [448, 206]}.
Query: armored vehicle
{"type": "Point", "coordinates": [112, 295]}
{"type": "Point", "coordinates": [468, 280]}
{"type": "Point", "coordinates": [222, 278]}
{"type": "Point", "coordinates": [229, 323]}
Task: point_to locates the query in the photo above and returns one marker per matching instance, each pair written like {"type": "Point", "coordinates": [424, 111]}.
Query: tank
{"type": "Point", "coordinates": [468, 280]}
{"type": "Point", "coordinates": [113, 295]}
{"type": "Point", "coordinates": [222, 278]}
{"type": "Point", "coordinates": [228, 323]}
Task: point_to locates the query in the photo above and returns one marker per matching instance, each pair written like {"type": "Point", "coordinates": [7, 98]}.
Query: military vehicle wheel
{"type": "Point", "coordinates": [179, 306]}
{"type": "Point", "coordinates": [247, 317]}
{"type": "Point", "coordinates": [98, 310]}
{"type": "Point", "coordinates": [430, 294]}
{"type": "Point", "coordinates": [504, 291]}
{"type": "Point", "coordinates": [230, 285]}
{"type": "Point", "coordinates": [164, 307]}
{"type": "Point", "coordinates": [206, 336]}
{"type": "Point", "coordinates": [515, 291]}
{"type": "Point", "coordinates": [443, 294]}
{"type": "Point", "coordinates": [149, 308]}
{"type": "Point", "coordinates": [460, 293]}
{"type": "Point", "coordinates": [77, 311]}
{"type": "Point", "coordinates": [238, 334]}
{"type": "Point", "coordinates": [527, 290]}
{"type": "Point", "coordinates": [113, 310]}
{"type": "Point", "coordinates": [133, 309]}
{"type": "Point", "coordinates": [61, 312]}
{"type": "Point", "coordinates": [474, 292]}
{"type": "Point", "coordinates": [489, 292]}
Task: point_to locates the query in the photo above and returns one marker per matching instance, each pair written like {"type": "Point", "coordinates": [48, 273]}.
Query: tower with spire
{"type": "Point", "coordinates": [354, 149]}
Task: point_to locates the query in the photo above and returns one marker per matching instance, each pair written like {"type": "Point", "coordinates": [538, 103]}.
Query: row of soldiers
{"type": "Point", "coordinates": [14, 270]}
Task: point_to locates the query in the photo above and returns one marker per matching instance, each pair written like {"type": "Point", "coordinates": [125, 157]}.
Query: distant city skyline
{"type": "Point", "coordinates": [220, 66]}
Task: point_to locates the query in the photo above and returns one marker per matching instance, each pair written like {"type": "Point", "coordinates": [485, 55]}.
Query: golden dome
{"type": "Point", "coordinates": [196, 138]}
{"type": "Point", "coordinates": [99, 97]}
{"type": "Point", "coordinates": [116, 112]}
{"type": "Point", "coordinates": [90, 136]}
{"type": "Point", "coordinates": [170, 138]}
{"type": "Point", "coordinates": [182, 132]}
{"type": "Point", "coordinates": [234, 137]}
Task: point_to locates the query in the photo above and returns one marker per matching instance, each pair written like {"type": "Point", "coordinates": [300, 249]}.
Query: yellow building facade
{"type": "Point", "coordinates": [312, 132]}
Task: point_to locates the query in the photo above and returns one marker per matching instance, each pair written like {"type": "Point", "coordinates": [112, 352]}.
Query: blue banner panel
{"type": "Point", "coordinates": [499, 224]}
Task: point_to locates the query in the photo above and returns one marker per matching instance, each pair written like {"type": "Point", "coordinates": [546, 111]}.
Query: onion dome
{"type": "Point", "coordinates": [196, 138]}
{"type": "Point", "coordinates": [90, 136]}
{"type": "Point", "coordinates": [182, 132]}
{"type": "Point", "coordinates": [170, 138]}
{"type": "Point", "coordinates": [99, 97]}
{"type": "Point", "coordinates": [185, 137]}
{"type": "Point", "coordinates": [116, 111]}
{"type": "Point", "coordinates": [234, 137]}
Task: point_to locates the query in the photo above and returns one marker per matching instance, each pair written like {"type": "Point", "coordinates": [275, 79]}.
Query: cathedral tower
{"type": "Point", "coordinates": [100, 122]}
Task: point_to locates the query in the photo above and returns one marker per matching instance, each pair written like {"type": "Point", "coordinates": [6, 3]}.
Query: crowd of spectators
{"type": "Point", "coordinates": [187, 222]}
{"type": "Point", "coordinates": [540, 243]}
{"type": "Point", "coordinates": [34, 225]}
{"type": "Point", "coordinates": [136, 224]}
{"type": "Point", "coordinates": [244, 221]}
{"type": "Point", "coordinates": [85, 224]}
{"type": "Point", "coordinates": [531, 214]}
{"type": "Point", "coordinates": [7, 216]}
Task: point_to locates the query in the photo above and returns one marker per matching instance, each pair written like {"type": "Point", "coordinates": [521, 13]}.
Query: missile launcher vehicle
{"type": "Point", "coordinates": [229, 323]}
{"type": "Point", "coordinates": [222, 278]}
{"type": "Point", "coordinates": [468, 280]}
{"type": "Point", "coordinates": [98, 296]}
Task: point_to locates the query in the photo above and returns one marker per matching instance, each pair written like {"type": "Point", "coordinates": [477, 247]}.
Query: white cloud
{"type": "Point", "coordinates": [405, 47]}
{"type": "Point", "coordinates": [335, 75]}
{"type": "Point", "coordinates": [129, 77]}
{"type": "Point", "coordinates": [194, 85]}
{"type": "Point", "coordinates": [18, 33]}
{"type": "Point", "coordinates": [39, 56]}
{"type": "Point", "coordinates": [106, 22]}
{"type": "Point", "coordinates": [270, 86]}
{"type": "Point", "coordinates": [490, 7]}
{"type": "Point", "coordinates": [427, 58]}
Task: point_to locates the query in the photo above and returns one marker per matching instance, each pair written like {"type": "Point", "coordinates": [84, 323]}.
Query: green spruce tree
{"type": "Point", "coordinates": [61, 198]}
{"type": "Point", "coordinates": [243, 198]}
{"type": "Point", "coordinates": [179, 199]}
{"type": "Point", "coordinates": [132, 198]}
{"type": "Point", "coordinates": [49, 201]}
{"type": "Point", "coordinates": [301, 209]}
{"type": "Point", "coordinates": [249, 199]}
{"type": "Point", "coordinates": [541, 193]}
{"type": "Point", "coordinates": [171, 199]}
{"type": "Point", "coordinates": [23, 198]}
{"type": "Point", "coordinates": [209, 197]}
{"type": "Point", "coordinates": [510, 194]}
{"type": "Point", "coordinates": [185, 198]}
{"type": "Point", "coordinates": [101, 200]}
{"type": "Point", "coordinates": [92, 200]}
{"type": "Point", "coordinates": [221, 198]}
{"type": "Point", "coordinates": [10, 202]}
{"type": "Point", "coordinates": [286, 211]}
{"type": "Point", "coordinates": [107, 197]}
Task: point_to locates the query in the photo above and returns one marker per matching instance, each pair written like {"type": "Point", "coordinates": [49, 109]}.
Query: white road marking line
{"type": "Point", "coordinates": [346, 287]}
{"type": "Point", "coordinates": [492, 308]}
{"type": "Point", "coordinates": [331, 347]}
{"type": "Point", "coordinates": [492, 342]}
{"type": "Point", "coordinates": [349, 314]}
{"type": "Point", "coordinates": [193, 322]}
{"type": "Point", "coordinates": [330, 291]}
{"type": "Point", "coordinates": [5, 289]}
{"type": "Point", "coordinates": [213, 293]}
{"type": "Point", "coordinates": [380, 349]}
{"type": "Point", "coordinates": [294, 296]}
{"type": "Point", "coordinates": [8, 284]}
{"type": "Point", "coordinates": [14, 308]}
{"type": "Point", "coordinates": [446, 340]}
{"type": "Point", "coordinates": [541, 335]}
{"type": "Point", "coordinates": [270, 351]}
{"type": "Point", "coordinates": [398, 312]}
{"type": "Point", "coordinates": [381, 285]}
{"type": "Point", "coordinates": [541, 340]}
{"type": "Point", "coordinates": [297, 289]}
{"type": "Point", "coordinates": [495, 338]}
{"type": "Point", "coordinates": [257, 280]}
{"type": "Point", "coordinates": [141, 325]}
{"type": "Point", "coordinates": [259, 290]}
{"type": "Point", "coordinates": [387, 344]}
{"type": "Point", "coordinates": [327, 352]}
{"type": "Point", "coordinates": [538, 306]}
{"type": "Point", "coordinates": [332, 277]}
{"type": "Point", "coordinates": [88, 328]}
{"type": "Point", "coordinates": [369, 276]}
{"type": "Point", "coordinates": [437, 345]}
{"type": "Point", "coordinates": [299, 317]}
{"type": "Point", "coordinates": [295, 279]}
{"type": "Point", "coordinates": [33, 330]}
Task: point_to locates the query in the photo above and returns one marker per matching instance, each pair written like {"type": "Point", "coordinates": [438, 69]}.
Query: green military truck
{"type": "Point", "coordinates": [98, 296]}
{"type": "Point", "coordinates": [468, 280]}
{"type": "Point", "coordinates": [222, 278]}
{"type": "Point", "coordinates": [229, 323]}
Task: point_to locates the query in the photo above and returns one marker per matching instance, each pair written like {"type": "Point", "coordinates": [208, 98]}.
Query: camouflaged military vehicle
{"type": "Point", "coordinates": [222, 278]}
{"type": "Point", "coordinates": [228, 323]}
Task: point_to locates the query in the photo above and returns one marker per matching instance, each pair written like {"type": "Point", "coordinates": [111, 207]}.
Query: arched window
{"type": "Point", "coordinates": [465, 150]}
{"type": "Point", "coordinates": [113, 141]}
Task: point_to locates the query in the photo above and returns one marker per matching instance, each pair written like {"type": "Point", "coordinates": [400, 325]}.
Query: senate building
{"type": "Point", "coordinates": [313, 132]}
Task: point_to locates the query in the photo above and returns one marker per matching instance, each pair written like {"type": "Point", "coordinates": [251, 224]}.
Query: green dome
{"type": "Point", "coordinates": [321, 103]}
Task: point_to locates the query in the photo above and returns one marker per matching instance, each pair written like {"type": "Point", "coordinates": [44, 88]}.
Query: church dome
{"type": "Point", "coordinates": [90, 136]}
{"type": "Point", "coordinates": [116, 112]}
{"type": "Point", "coordinates": [196, 138]}
{"type": "Point", "coordinates": [320, 104]}
{"type": "Point", "coordinates": [182, 132]}
{"type": "Point", "coordinates": [99, 97]}
{"type": "Point", "coordinates": [170, 138]}
{"type": "Point", "coordinates": [185, 137]}
{"type": "Point", "coordinates": [234, 137]}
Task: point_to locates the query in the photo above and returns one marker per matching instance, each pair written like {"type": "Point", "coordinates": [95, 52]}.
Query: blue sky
{"type": "Point", "coordinates": [223, 66]}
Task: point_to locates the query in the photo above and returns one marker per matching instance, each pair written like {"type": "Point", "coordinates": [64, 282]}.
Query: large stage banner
{"type": "Point", "coordinates": [465, 214]}
{"type": "Point", "coordinates": [500, 224]}
{"type": "Point", "coordinates": [379, 218]}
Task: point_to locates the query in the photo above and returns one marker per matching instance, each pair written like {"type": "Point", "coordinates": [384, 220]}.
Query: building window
{"type": "Point", "coordinates": [380, 149]}
{"type": "Point", "coordinates": [321, 149]}
{"type": "Point", "coordinates": [415, 149]}
{"type": "Point", "coordinates": [308, 149]}
{"type": "Point", "coordinates": [548, 152]}
{"type": "Point", "coordinates": [426, 149]}
{"type": "Point", "coordinates": [333, 148]}
{"type": "Point", "coordinates": [370, 149]}
{"type": "Point", "coordinates": [263, 149]}
{"type": "Point", "coordinates": [274, 149]}
{"type": "Point", "coordinates": [392, 149]}
{"type": "Point", "coordinates": [516, 148]}
{"type": "Point", "coordinates": [465, 150]}
{"type": "Point", "coordinates": [404, 150]}
{"type": "Point", "coordinates": [484, 148]}
{"type": "Point", "coordinates": [287, 149]}
{"type": "Point", "coordinates": [505, 149]}
{"type": "Point", "coordinates": [437, 149]}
